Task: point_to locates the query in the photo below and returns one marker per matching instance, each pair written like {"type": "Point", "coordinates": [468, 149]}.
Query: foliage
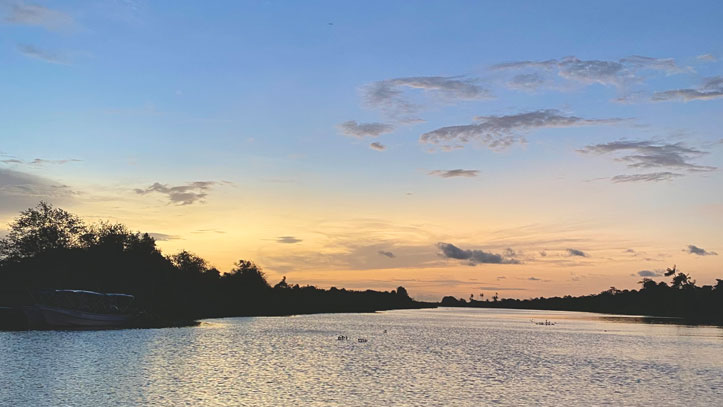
{"type": "Point", "coordinates": [48, 247]}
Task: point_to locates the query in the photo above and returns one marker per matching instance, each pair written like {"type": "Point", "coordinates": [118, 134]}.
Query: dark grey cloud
{"type": "Point", "coordinates": [502, 131]}
{"type": "Point", "coordinates": [617, 73]}
{"type": "Point", "coordinates": [474, 256]}
{"type": "Point", "coordinates": [287, 239]}
{"type": "Point", "coordinates": [576, 253]}
{"type": "Point", "coordinates": [712, 88]}
{"type": "Point", "coordinates": [652, 154]}
{"type": "Point", "coordinates": [361, 130]}
{"type": "Point", "coordinates": [37, 15]}
{"type": "Point", "coordinates": [43, 55]}
{"type": "Point", "coordinates": [387, 254]}
{"type": "Point", "coordinates": [20, 190]}
{"type": "Point", "coordinates": [163, 237]}
{"type": "Point", "coordinates": [693, 249]}
{"type": "Point", "coordinates": [389, 94]}
{"type": "Point", "coordinates": [181, 194]}
{"type": "Point", "coordinates": [454, 173]}
{"type": "Point", "coordinates": [649, 273]}
{"type": "Point", "coordinates": [649, 177]}
{"type": "Point", "coordinates": [534, 279]}
{"type": "Point", "coordinates": [377, 146]}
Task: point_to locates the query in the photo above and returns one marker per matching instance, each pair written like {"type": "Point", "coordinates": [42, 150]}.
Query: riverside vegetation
{"type": "Point", "coordinates": [50, 248]}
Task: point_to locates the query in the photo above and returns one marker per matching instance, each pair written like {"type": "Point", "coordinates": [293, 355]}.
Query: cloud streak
{"type": "Point", "coordinates": [473, 257]}
{"type": "Point", "coordinates": [361, 130]}
{"type": "Point", "coordinates": [712, 88]}
{"type": "Point", "coordinates": [499, 132]}
{"type": "Point", "coordinates": [36, 15]}
{"type": "Point", "coordinates": [693, 249]}
{"type": "Point", "coordinates": [651, 154]}
{"type": "Point", "coordinates": [648, 177]}
{"type": "Point", "coordinates": [37, 53]}
{"type": "Point", "coordinates": [392, 96]}
{"type": "Point", "coordinates": [288, 240]}
{"type": "Point", "coordinates": [576, 253]}
{"type": "Point", "coordinates": [616, 73]}
{"type": "Point", "coordinates": [182, 194]}
{"type": "Point", "coordinates": [454, 173]}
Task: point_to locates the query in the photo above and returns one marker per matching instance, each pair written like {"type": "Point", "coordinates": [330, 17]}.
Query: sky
{"type": "Point", "coordinates": [523, 148]}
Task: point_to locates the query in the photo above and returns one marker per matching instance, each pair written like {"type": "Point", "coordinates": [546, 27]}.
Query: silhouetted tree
{"type": "Point", "coordinates": [39, 230]}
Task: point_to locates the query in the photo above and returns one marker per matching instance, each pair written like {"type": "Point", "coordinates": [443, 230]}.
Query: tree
{"type": "Point", "coordinates": [189, 263]}
{"type": "Point", "coordinates": [40, 229]}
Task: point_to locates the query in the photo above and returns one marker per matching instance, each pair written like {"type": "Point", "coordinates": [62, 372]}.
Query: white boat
{"type": "Point", "coordinates": [78, 309]}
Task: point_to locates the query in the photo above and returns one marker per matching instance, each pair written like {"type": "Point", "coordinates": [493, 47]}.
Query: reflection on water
{"type": "Point", "coordinates": [426, 357]}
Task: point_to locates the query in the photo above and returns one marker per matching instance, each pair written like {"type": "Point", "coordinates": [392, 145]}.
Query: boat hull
{"type": "Point", "coordinates": [54, 317]}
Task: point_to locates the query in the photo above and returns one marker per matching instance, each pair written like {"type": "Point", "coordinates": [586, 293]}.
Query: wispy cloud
{"type": "Point", "coordinates": [386, 254]}
{"type": "Point", "coordinates": [617, 72]}
{"type": "Point", "coordinates": [649, 273]}
{"type": "Point", "coordinates": [37, 15]}
{"type": "Point", "coordinates": [576, 253]}
{"type": "Point", "coordinates": [712, 88]}
{"type": "Point", "coordinates": [454, 173]}
{"type": "Point", "coordinates": [706, 58]}
{"type": "Point", "coordinates": [502, 131]}
{"type": "Point", "coordinates": [648, 177]}
{"type": "Point", "coordinates": [651, 154]}
{"type": "Point", "coordinates": [377, 146]}
{"type": "Point", "coordinates": [693, 249]}
{"type": "Point", "coordinates": [181, 194]}
{"type": "Point", "coordinates": [163, 236]}
{"type": "Point", "coordinates": [474, 256]}
{"type": "Point", "coordinates": [37, 53]}
{"type": "Point", "coordinates": [390, 96]}
{"type": "Point", "coordinates": [288, 239]}
{"type": "Point", "coordinates": [20, 190]}
{"type": "Point", "coordinates": [361, 130]}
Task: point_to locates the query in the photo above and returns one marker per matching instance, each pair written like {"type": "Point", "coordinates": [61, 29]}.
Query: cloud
{"type": "Point", "coordinates": [692, 249]}
{"type": "Point", "coordinates": [361, 130]}
{"type": "Point", "coordinates": [652, 154]}
{"type": "Point", "coordinates": [40, 161]}
{"type": "Point", "coordinates": [706, 58]}
{"type": "Point", "coordinates": [33, 14]}
{"type": "Point", "coordinates": [616, 73]}
{"type": "Point", "coordinates": [530, 81]}
{"type": "Point", "coordinates": [287, 239]}
{"type": "Point", "coordinates": [181, 194]}
{"type": "Point", "coordinates": [576, 252]}
{"type": "Point", "coordinates": [20, 190]}
{"type": "Point", "coordinates": [534, 279]}
{"type": "Point", "coordinates": [163, 237]}
{"type": "Point", "coordinates": [712, 88]}
{"type": "Point", "coordinates": [648, 273]}
{"type": "Point", "coordinates": [502, 131]}
{"type": "Point", "coordinates": [37, 53]}
{"type": "Point", "coordinates": [473, 257]}
{"type": "Point", "coordinates": [387, 254]}
{"type": "Point", "coordinates": [377, 146]}
{"type": "Point", "coordinates": [389, 94]}
{"type": "Point", "coordinates": [454, 173]}
{"type": "Point", "coordinates": [649, 177]}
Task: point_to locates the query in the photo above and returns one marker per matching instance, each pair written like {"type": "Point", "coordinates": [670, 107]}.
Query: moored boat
{"type": "Point", "coordinates": [78, 309]}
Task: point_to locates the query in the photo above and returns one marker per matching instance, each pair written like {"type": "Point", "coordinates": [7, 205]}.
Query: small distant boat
{"type": "Point", "coordinates": [78, 309]}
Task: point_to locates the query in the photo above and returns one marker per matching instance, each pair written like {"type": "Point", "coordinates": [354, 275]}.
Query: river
{"type": "Point", "coordinates": [429, 357]}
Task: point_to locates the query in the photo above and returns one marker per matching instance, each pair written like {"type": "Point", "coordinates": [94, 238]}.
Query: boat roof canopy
{"type": "Point", "coordinates": [93, 293]}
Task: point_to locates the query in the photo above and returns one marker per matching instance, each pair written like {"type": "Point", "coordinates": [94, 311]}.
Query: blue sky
{"type": "Point", "coordinates": [581, 121]}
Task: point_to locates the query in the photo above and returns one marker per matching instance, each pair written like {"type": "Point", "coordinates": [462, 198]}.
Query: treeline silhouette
{"type": "Point", "coordinates": [682, 299]}
{"type": "Point", "coordinates": [49, 248]}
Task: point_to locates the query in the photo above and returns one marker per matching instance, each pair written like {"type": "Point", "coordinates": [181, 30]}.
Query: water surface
{"type": "Point", "coordinates": [444, 356]}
